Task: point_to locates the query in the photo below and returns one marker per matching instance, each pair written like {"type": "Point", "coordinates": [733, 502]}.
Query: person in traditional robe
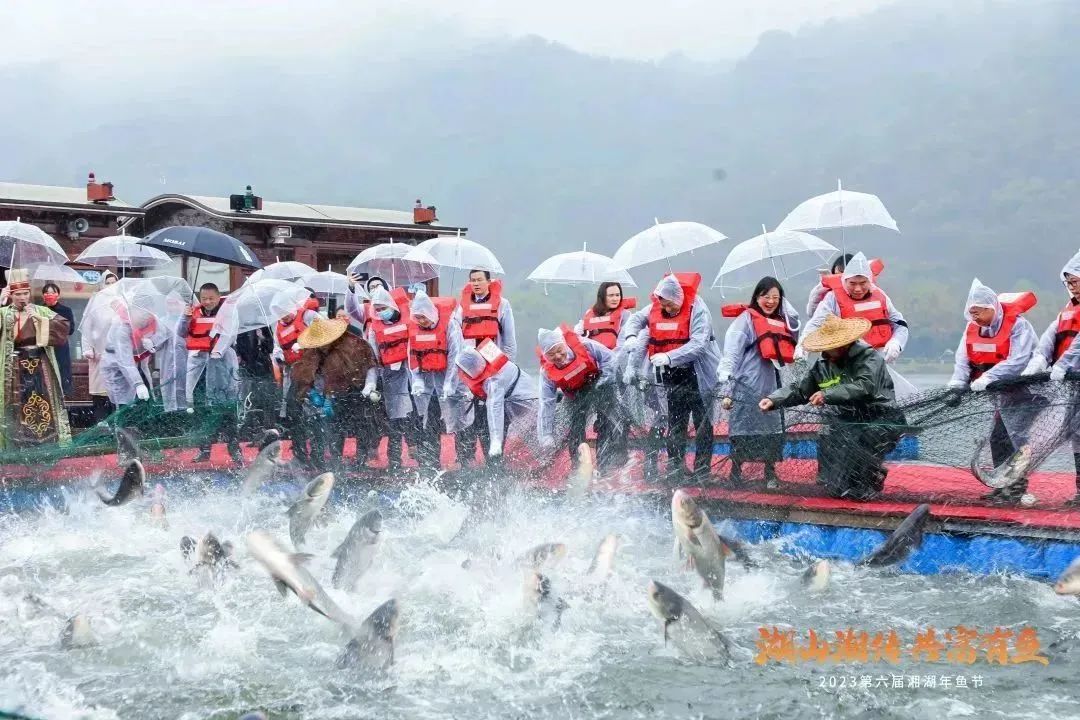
{"type": "Point", "coordinates": [30, 388]}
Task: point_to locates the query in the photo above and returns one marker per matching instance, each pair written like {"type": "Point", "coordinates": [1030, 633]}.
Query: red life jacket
{"type": "Point", "coordinates": [1068, 326]}
{"type": "Point", "coordinates": [137, 334]}
{"type": "Point", "coordinates": [604, 329]}
{"type": "Point", "coordinates": [774, 338]}
{"type": "Point", "coordinates": [873, 307]}
{"type": "Point", "coordinates": [669, 333]}
{"type": "Point", "coordinates": [480, 320]}
{"type": "Point", "coordinates": [287, 333]}
{"type": "Point", "coordinates": [579, 372]}
{"type": "Point", "coordinates": [198, 335]}
{"type": "Point", "coordinates": [986, 352]}
{"type": "Point", "coordinates": [428, 348]}
{"type": "Point", "coordinates": [312, 304]}
{"type": "Point", "coordinates": [495, 360]}
{"type": "Point", "coordinates": [392, 339]}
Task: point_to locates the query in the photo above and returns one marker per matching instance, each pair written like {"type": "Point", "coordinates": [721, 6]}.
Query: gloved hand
{"type": "Point", "coordinates": [1036, 365]}
{"type": "Point", "coordinates": [141, 392]}
{"type": "Point", "coordinates": [660, 360]}
{"type": "Point", "coordinates": [800, 353]}
{"type": "Point", "coordinates": [419, 389]}
{"type": "Point", "coordinates": [369, 388]}
{"type": "Point", "coordinates": [891, 351]}
{"type": "Point", "coordinates": [722, 376]}
{"type": "Point", "coordinates": [278, 354]}
{"type": "Point", "coordinates": [547, 442]}
{"type": "Point", "coordinates": [215, 354]}
{"type": "Point", "coordinates": [495, 449]}
{"type": "Point", "coordinates": [295, 347]}
{"type": "Point", "coordinates": [980, 384]}
{"type": "Point", "coordinates": [629, 375]}
{"type": "Point", "coordinates": [1058, 373]}
{"type": "Point", "coordinates": [88, 353]}
{"type": "Point", "coordinates": [148, 345]}
{"type": "Point", "coordinates": [375, 396]}
{"type": "Point", "coordinates": [630, 344]}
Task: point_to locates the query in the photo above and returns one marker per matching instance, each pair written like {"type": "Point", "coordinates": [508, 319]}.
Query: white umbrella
{"type": "Point", "coordinates": [23, 245]}
{"type": "Point", "coordinates": [165, 298]}
{"type": "Point", "coordinates": [398, 263]}
{"type": "Point", "coordinates": [122, 252]}
{"type": "Point", "coordinates": [789, 253]}
{"type": "Point", "coordinates": [257, 304]}
{"type": "Point", "coordinates": [580, 267]}
{"type": "Point", "coordinates": [282, 270]}
{"type": "Point", "coordinates": [839, 209]}
{"type": "Point", "coordinates": [663, 241]}
{"type": "Point", "coordinates": [325, 283]}
{"type": "Point", "coordinates": [451, 251]}
{"type": "Point", "coordinates": [48, 272]}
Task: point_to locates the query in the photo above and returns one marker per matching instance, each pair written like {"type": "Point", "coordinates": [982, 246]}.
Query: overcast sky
{"type": "Point", "coordinates": [151, 33]}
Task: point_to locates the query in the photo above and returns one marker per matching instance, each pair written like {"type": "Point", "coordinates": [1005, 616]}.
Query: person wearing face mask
{"type": "Point", "coordinates": [502, 391]}
{"type": "Point", "coordinates": [759, 342]}
{"type": "Point", "coordinates": [604, 320]}
{"type": "Point", "coordinates": [388, 335]}
{"type": "Point", "coordinates": [854, 294]}
{"type": "Point", "coordinates": [997, 345]}
{"type": "Point", "coordinates": [1059, 349]}
{"type": "Point", "coordinates": [674, 335]}
{"type": "Point", "coordinates": [584, 372]}
{"type": "Point", "coordinates": [31, 394]}
{"type": "Point", "coordinates": [287, 351]}
{"type": "Point", "coordinates": [852, 382]}
{"type": "Point", "coordinates": [50, 296]}
{"type": "Point", "coordinates": [432, 342]}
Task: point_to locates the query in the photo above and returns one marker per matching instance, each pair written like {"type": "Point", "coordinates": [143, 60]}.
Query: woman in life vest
{"type": "Point", "coordinates": [432, 343]}
{"type": "Point", "coordinates": [604, 320]}
{"type": "Point", "coordinates": [584, 371]}
{"type": "Point", "coordinates": [1059, 350]}
{"type": "Point", "coordinates": [675, 334]}
{"type": "Point", "coordinates": [388, 335]}
{"type": "Point", "coordinates": [501, 391]}
{"type": "Point", "coordinates": [996, 346]}
{"type": "Point", "coordinates": [819, 291]}
{"type": "Point", "coordinates": [759, 342]}
{"type": "Point", "coordinates": [854, 294]}
{"type": "Point", "coordinates": [287, 352]}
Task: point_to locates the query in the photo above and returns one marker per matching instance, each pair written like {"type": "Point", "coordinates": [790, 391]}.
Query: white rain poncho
{"type": "Point", "coordinates": [1072, 267]}
{"type": "Point", "coordinates": [396, 393]}
{"type": "Point", "coordinates": [421, 306]}
{"type": "Point", "coordinates": [980, 296]}
{"type": "Point", "coordinates": [858, 266]}
{"type": "Point", "coordinates": [669, 289]}
{"type": "Point", "coordinates": [548, 339]}
{"type": "Point", "coordinates": [1070, 359]}
{"type": "Point", "coordinates": [470, 361]}
{"type": "Point", "coordinates": [511, 394]}
{"type": "Point", "coordinates": [380, 297]}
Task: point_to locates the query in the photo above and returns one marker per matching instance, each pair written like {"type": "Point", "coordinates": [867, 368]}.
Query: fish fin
{"type": "Point", "coordinates": [693, 538]}
{"type": "Point", "coordinates": [282, 587]}
{"type": "Point", "coordinates": [666, 623]}
{"type": "Point", "coordinates": [301, 558]}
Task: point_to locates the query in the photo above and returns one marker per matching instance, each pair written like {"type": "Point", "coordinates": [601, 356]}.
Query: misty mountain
{"type": "Point", "coordinates": [961, 118]}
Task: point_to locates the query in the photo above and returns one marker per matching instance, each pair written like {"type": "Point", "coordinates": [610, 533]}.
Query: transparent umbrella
{"type": "Point", "coordinates": [282, 270]}
{"type": "Point", "coordinates": [48, 272]}
{"type": "Point", "coordinates": [398, 263]}
{"type": "Point", "coordinates": [840, 209]}
{"type": "Point", "coordinates": [122, 252]}
{"type": "Point", "coordinates": [663, 241]}
{"type": "Point", "coordinates": [325, 283]}
{"type": "Point", "coordinates": [257, 304]}
{"type": "Point", "coordinates": [23, 245]}
{"type": "Point", "coordinates": [451, 251]}
{"type": "Point", "coordinates": [784, 254]}
{"type": "Point", "coordinates": [581, 267]}
{"type": "Point", "coordinates": [165, 298]}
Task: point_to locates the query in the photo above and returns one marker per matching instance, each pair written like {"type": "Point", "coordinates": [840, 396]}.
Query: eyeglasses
{"type": "Point", "coordinates": [1071, 282]}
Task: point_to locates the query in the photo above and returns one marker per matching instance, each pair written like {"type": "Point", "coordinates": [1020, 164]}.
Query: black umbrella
{"type": "Point", "coordinates": [204, 244]}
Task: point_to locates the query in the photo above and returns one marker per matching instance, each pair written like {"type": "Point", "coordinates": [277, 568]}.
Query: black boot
{"type": "Point", "coordinates": [203, 456]}
{"type": "Point", "coordinates": [771, 481]}
{"type": "Point", "coordinates": [735, 476]}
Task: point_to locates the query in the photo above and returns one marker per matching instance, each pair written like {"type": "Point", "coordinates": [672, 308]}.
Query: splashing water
{"type": "Point", "coordinates": [468, 644]}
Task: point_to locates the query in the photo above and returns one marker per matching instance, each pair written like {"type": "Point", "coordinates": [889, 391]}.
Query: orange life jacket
{"type": "Point", "coordinates": [986, 352]}
{"type": "Point", "coordinates": [495, 360]}
{"type": "Point", "coordinates": [287, 333]}
{"type": "Point", "coordinates": [198, 334]}
{"type": "Point", "coordinates": [874, 307]}
{"type": "Point", "coordinates": [428, 348]}
{"type": "Point", "coordinates": [312, 304]}
{"type": "Point", "coordinates": [774, 339]}
{"type": "Point", "coordinates": [669, 333]}
{"type": "Point", "coordinates": [604, 329]}
{"type": "Point", "coordinates": [1068, 326]}
{"type": "Point", "coordinates": [480, 320]}
{"type": "Point", "coordinates": [137, 334]}
{"type": "Point", "coordinates": [577, 373]}
{"type": "Point", "coordinates": [392, 339]}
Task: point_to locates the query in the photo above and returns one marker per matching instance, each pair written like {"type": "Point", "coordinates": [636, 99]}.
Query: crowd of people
{"type": "Point", "coordinates": [395, 363]}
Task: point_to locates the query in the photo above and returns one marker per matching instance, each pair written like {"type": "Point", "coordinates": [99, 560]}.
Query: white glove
{"type": "Point", "coordinates": [141, 392]}
{"type": "Point", "coordinates": [495, 450]}
{"type": "Point", "coordinates": [1058, 373]}
{"type": "Point", "coordinates": [215, 355]}
{"type": "Point", "coordinates": [722, 376]}
{"type": "Point", "coordinates": [660, 360]}
{"type": "Point", "coordinates": [88, 353]}
{"type": "Point", "coordinates": [369, 387]}
{"type": "Point", "coordinates": [547, 442]}
{"type": "Point", "coordinates": [278, 354]}
{"type": "Point", "coordinates": [800, 353]}
{"type": "Point", "coordinates": [980, 384]}
{"type": "Point", "coordinates": [1036, 365]}
{"type": "Point", "coordinates": [375, 396]}
{"type": "Point", "coordinates": [629, 375]}
{"type": "Point", "coordinates": [630, 344]}
{"type": "Point", "coordinates": [891, 351]}
{"type": "Point", "coordinates": [148, 345]}
{"type": "Point", "coordinates": [295, 347]}
{"type": "Point", "coordinates": [419, 389]}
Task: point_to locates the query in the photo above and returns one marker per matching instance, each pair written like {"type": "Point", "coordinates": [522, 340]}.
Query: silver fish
{"type": "Point", "coordinates": [907, 535]}
{"type": "Point", "coordinates": [310, 503]}
{"type": "Point", "coordinates": [685, 627]}
{"type": "Point", "coordinates": [1008, 473]}
{"type": "Point", "coordinates": [578, 486]}
{"type": "Point", "coordinates": [372, 648]}
{"type": "Point", "coordinates": [541, 599]}
{"type": "Point", "coordinates": [696, 536]}
{"type": "Point", "coordinates": [132, 485]}
{"type": "Point", "coordinates": [1069, 582]}
{"type": "Point", "coordinates": [262, 469]}
{"type": "Point", "coordinates": [603, 563]}
{"type": "Point", "coordinates": [357, 552]}
{"type": "Point", "coordinates": [816, 578]}
{"type": "Point", "coordinates": [541, 555]}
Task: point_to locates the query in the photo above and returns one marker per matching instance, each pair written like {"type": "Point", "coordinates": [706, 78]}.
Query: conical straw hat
{"type": "Point", "coordinates": [835, 333]}
{"type": "Point", "coordinates": [321, 332]}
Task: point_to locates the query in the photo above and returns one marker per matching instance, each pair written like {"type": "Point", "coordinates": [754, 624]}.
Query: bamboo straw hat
{"type": "Point", "coordinates": [836, 333]}
{"type": "Point", "coordinates": [321, 332]}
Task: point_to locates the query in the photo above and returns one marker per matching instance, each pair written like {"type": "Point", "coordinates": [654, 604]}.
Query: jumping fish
{"type": "Point", "coordinates": [131, 485]}
{"type": "Point", "coordinates": [685, 626]}
{"type": "Point", "coordinates": [372, 647]}
{"type": "Point", "coordinates": [263, 467]}
{"type": "Point", "coordinates": [816, 578]}
{"type": "Point", "coordinates": [907, 535]}
{"type": "Point", "coordinates": [127, 446]}
{"type": "Point", "coordinates": [77, 633]}
{"type": "Point", "coordinates": [580, 481]}
{"type": "Point", "coordinates": [1069, 582]}
{"type": "Point", "coordinates": [157, 507]}
{"type": "Point", "coordinates": [212, 557]}
{"type": "Point", "coordinates": [357, 552]}
{"type": "Point", "coordinates": [541, 555]}
{"type": "Point", "coordinates": [603, 563]}
{"type": "Point", "coordinates": [1008, 473]}
{"type": "Point", "coordinates": [540, 598]}
{"type": "Point", "coordinates": [696, 536]}
{"type": "Point", "coordinates": [308, 505]}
